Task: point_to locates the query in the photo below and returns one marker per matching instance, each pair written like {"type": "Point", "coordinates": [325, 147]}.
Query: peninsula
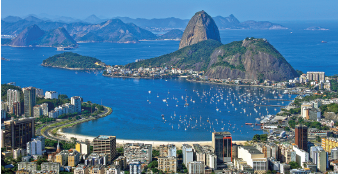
{"type": "Point", "coordinates": [73, 61]}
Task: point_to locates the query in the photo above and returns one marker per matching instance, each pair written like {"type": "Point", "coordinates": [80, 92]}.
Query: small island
{"type": "Point", "coordinates": [73, 61]}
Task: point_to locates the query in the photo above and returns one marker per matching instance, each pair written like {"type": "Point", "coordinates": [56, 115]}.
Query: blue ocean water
{"type": "Point", "coordinates": [135, 118]}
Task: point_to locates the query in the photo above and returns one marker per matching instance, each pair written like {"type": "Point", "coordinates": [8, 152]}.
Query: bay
{"type": "Point", "coordinates": [135, 118]}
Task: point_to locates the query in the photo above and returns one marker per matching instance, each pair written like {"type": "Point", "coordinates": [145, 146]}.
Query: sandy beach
{"type": "Point", "coordinates": [154, 143]}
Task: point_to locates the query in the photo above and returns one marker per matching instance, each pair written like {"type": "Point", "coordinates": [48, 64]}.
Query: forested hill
{"type": "Point", "coordinates": [69, 60]}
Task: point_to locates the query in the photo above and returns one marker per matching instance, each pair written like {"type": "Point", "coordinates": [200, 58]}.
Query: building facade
{"type": "Point", "coordinates": [196, 167]}
{"type": "Point", "coordinates": [106, 145]}
{"type": "Point", "coordinates": [18, 132]}
{"type": "Point", "coordinates": [301, 137]}
{"type": "Point", "coordinates": [51, 95]}
{"type": "Point", "coordinates": [167, 164]}
{"type": "Point", "coordinates": [76, 101]}
{"type": "Point", "coordinates": [29, 100]}
{"type": "Point", "coordinates": [222, 144]}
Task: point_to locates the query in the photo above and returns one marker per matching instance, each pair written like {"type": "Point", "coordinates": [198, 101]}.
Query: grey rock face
{"type": "Point", "coordinates": [200, 27]}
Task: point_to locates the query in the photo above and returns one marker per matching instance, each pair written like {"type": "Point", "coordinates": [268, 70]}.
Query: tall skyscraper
{"type": "Point", "coordinates": [29, 100]}
{"type": "Point", "coordinates": [18, 132]}
{"type": "Point", "coordinates": [106, 145]}
{"type": "Point", "coordinates": [222, 144]}
{"type": "Point", "coordinates": [12, 97]}
{"type": "Point", "coordinates": [76, 101]}
{"type": "Point", "coordinates": [301, 137]}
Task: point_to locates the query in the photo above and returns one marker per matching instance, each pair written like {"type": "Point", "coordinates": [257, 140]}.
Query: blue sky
{"type": "Point", "coordinates": [272, 10]}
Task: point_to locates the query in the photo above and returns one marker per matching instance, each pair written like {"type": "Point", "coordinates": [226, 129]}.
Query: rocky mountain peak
{"type": "Point", "coordinates": [200, 27]}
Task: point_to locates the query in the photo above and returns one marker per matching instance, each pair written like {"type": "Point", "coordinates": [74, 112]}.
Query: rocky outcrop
{"type": "Point", "coordinates": [34, 36]}
{"type": "Point", "coordinates": [200, 27]}
{"type": "Point", "coordinates": [28, 37]}
{"type": "Point", "coordinates": [57, 37]}
{"type": "Point", "coordinates": [253, 59]}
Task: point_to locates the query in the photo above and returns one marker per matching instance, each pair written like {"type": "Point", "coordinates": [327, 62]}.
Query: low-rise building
{"type": "Point", "coordinates": [19, 152]}
{"type": "Point", "coordinates": [28, 166]}
{"type": "Point", "coordinates": [62, 157]}
{"type": "Point", "coordinates": [167, 150]}
{"type": "Point", "coordinates": [254, 158]}
{"type": "Point", "coordinates": [138, 151]}
{"type": "Point", "coordinates": [81, 169]}
{"type": "Point", "coordinates": [96, 159]}
{"type": "Point", "coordinates": [50, 166]}
{"type": "Point", "coordinates": [135, 167]}
{"type": "Point", "coordinates": [73, 158]}
{"type": "Point", "coordinates": [97, 169]}
{"type": "Point", "coordinates": [113, 169]}
{"type": "Point", "coordinates": [196, 167]}
{"type": "Point", "coordinates": [167, 164]}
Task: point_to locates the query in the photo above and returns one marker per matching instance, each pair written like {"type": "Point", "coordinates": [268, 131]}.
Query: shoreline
{"type": "Point", "coordinates": [184, 77]}
{"type": "Point", "coordinates": [153, 142]}
{"type": "Point", "coordinates": [77, 69]}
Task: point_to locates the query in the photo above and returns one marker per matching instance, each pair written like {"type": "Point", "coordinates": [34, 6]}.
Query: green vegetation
{"type": "Point", "coordinates": [294, 121]}
{"type": "Point", "coordinates": [120, 151]}
{"type": "Point", "coordinates": [265, 47]}
{"type": "Point", "coordinates": [262, 137]}
{"type": "Point", "coordinates": [52, 103]}
{"type": "Point", "coordinates": [72, 60]}
{"type": "Point", "coordinates": [64, 145]}
{"type": "Point", "coordinates": [325, 95]}
{"type": "Point", "coordinates": [299, 72]}
{"type": "Point", "coordinates": [294, 165]}
{"type": "Point", "coordinates": [333, 107]}
{"type": "Point", "coordinates": [156, 153]}
{"type": "Point", "coordinates": [334, 85]}
{"type": "Point", "coordinates": [153, 166]}
{"type": "Point", "coordinates": [179, 154]}
{"type": "Point", "coordinates": [226, 64]}
{"type": "Point", "coordinates": [186, 57]}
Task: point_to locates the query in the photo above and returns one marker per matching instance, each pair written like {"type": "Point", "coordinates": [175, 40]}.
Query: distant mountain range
{"type": "Point", "coordinates": [13, 25]}
{"type": "Point", "coordinates": [117, 30]}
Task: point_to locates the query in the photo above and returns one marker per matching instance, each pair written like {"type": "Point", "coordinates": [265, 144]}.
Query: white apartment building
{"type": "Point", "coordinates": [76, 101]}
{"type": "Point", "coordinates": [188, 154]}
{"type": "Point", "coordinates": [51, 95]}
{"type": "Point", "coordinates": [253, 158]}
{"type": "Point", "coordinates": [301, 155]}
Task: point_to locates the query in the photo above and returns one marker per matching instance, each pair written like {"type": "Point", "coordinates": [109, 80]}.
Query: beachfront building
{"type": "Point", "coordinates": [106, 145]}
{"type": "Point", "coordinates": [138, 151]}
{"type": "Point", "coordinates": [188, 154]}
{"type": "Point", "coordinates": [222, 144]}
{"type": "Point", "coordinates": [205, 154]}
{"type": "Point", "coordinates": [167, 150]}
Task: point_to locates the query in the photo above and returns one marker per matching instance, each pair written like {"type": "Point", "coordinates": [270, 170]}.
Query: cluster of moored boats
{"type": "Point", "coordinates": [225, 101]}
